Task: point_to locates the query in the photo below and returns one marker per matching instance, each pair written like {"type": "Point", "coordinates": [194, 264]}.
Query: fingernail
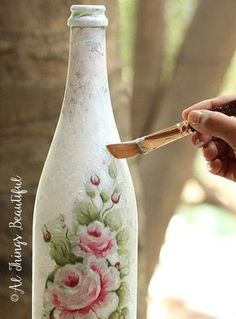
{"type": "Point", "coordinates": [194, 117]}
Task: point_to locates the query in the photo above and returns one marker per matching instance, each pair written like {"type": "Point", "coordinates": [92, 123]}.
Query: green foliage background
{"type": "Point", "coordinates": [178, 15]}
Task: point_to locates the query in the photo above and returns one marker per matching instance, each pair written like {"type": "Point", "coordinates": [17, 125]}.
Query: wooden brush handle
{"type": "Point", "coordinates": [227, 109]}
{"type": "Point", "coordinates": [173, 133]}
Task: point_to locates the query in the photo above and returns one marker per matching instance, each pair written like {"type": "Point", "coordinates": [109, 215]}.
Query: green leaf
{"type": "Point", "coordinates": [79, 259]}
{"type": "Point", "coordinates": [118, 189]}
{"type": "Point", "coordinates": [123, 294]}
{"type": "Point", "coordinates": [104, 196]}
{"type": "Point", "coordinates": [122, 237]}
{"type": "Point", "coordinates": [112, 170]}
{"type": "Point", "coordinates": [91, 193]}
{"type": "Point", "coordinates": [124, 271]}
{"type": "Point", "coordinates": [72, 232]}
{"type": "Point", "coordinates": [61, 252]}
{"type": "Point", "coordinates": [46, 315]}
{"type": "Point", "coordinates": [50, 277]}
{"type": "Point", "coordinates": [86, 213]}
{"type": "Point", "coordinates": [125, 312]}
{"type": "Point", "coordinates": [113, 220]}
{"type": "Point", "coordinates": [114, 315]}
{"type": "Point", "coordinates": [123, 251]}
{"type": "Point", "coordinates": [124, 262]}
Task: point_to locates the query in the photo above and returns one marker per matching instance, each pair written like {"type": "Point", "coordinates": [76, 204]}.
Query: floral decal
{"type": "Point", "coordinates": [91, 257]}
{"type": "Point", "coordinates": [95, 240]}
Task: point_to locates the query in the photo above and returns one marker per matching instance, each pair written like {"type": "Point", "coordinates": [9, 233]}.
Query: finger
{"type": "Point", "coordinates": [215, 166]}
{"type": "Point", "coordinates": [216, 124]}
{"type": "Point", "coordinates": [214, 149]}
{"type": "Point", "coordinates": [209, 104]}
{"type": "Point", "coordinates": [223, 168]}
{"type": "Point", "coordinates": [200, 139]}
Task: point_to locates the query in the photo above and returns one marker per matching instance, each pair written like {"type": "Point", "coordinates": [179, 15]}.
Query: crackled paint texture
{"type": "Point", "coordinates": [85, 215]}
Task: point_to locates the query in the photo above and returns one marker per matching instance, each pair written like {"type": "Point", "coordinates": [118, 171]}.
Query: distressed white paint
{"type": "Point", "coordinates": [86, 124]}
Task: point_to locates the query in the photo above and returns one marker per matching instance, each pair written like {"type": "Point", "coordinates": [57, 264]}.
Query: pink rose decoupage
{"type": "Point", "coordinates": [91, 257]}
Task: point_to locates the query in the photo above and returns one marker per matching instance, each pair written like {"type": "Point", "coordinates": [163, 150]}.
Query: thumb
{"type": "Point", "coordinates": [215, 124]}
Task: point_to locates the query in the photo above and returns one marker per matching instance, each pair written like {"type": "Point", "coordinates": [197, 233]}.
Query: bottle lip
{"type": "Point", "coordinates": [87, 16]}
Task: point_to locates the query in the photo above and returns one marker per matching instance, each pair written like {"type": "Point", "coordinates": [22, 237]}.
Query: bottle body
{"type": "Point", "coordinates": [85, 227]}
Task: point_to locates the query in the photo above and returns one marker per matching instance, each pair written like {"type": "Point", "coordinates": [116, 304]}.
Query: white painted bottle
{"type": "Point", "coordinates": [85, 216]}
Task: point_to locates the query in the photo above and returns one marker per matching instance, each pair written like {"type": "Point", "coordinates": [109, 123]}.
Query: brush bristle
{"type": "Point", "coordinates": [124, 150]}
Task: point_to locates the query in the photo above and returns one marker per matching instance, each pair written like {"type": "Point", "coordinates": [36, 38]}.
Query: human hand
{"type": "Point", "coordinates": [216, 134]}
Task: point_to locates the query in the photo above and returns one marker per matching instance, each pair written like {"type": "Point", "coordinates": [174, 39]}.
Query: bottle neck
{"type": "Point", "coordinates": [87, 69]}
{"type": "Point", "coordinates": [86, 109]}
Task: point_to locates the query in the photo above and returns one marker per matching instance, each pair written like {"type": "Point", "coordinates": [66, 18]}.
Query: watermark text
{"type": "Point", "coordinates": [15, 264]}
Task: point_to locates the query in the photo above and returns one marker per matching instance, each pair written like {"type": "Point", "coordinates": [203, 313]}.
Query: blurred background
{"type": "Point", "coordinates": [163, 55]}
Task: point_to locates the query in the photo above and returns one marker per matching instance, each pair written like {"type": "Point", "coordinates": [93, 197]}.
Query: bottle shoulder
{"type": "Point", "coordinates": [95, 178]}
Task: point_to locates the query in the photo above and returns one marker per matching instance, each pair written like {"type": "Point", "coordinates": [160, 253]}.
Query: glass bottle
{"type": "Point", "coordinates": [85, 216]}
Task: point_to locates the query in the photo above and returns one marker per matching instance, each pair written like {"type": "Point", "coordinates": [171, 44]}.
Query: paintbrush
{"type": "Point", "coordinates": [148, 143]}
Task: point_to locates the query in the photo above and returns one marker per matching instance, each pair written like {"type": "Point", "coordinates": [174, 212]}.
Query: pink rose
{"type": "Point", "coordinates": [83, 291]}
{"type": "Point", "coordinates": [95, 240]}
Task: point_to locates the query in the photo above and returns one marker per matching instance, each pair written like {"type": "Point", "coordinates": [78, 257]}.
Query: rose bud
{"type": "Point", "coordinates": [115, 197]}
{"type": "Point", "coordinates": [46, 236]}
{"type": "Point", "coordinates": [95, 180]}
{"type": "Point", "coordinates": [122, 317]}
